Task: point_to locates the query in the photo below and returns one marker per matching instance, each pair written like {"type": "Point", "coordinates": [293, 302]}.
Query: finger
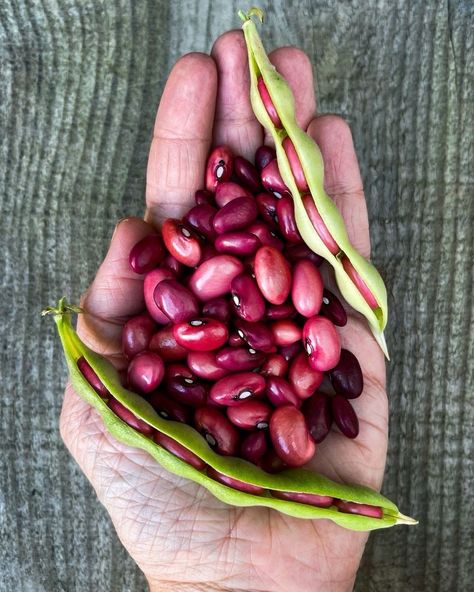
{"type": "Point", "coordinates": [342, 179]}
{"type": "Point", "coordinates": [116, 292]}
{"type": "Point", "coordinates": [235, 123]}
{"type": "Point", "coordinates": [181, 138]}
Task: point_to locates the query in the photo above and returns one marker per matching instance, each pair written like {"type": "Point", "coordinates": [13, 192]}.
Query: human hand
{"type": "Point", "coordinates": [178, 533]}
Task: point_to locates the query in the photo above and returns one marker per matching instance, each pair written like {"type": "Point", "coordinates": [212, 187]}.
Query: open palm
{"type": "Point", "coordinates": [180, 536]}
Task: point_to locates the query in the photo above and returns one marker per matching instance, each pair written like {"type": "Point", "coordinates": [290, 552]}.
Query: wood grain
{"type": "Point", "coordinates": [80, 82]}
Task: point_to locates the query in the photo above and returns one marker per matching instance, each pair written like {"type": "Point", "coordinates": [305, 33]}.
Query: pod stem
{"type": "Point", "coordinates": [254, 11]}
{"type": "Point", "coordinates": [62, 308]}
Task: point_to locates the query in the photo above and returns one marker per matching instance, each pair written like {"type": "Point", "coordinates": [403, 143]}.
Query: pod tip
{"type": "Point", "coordinates": [380, 338]}
{"type": "Point", "coordinates": [402, 519]}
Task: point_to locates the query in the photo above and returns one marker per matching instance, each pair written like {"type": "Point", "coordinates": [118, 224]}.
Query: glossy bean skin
{"type": "Point", "coordinates": [187, 391]}
{"type": "Point", "coordinates": [164, 344]}
{"type": "Point", "coordinates": [362, 509]}
{"type": "Point", "coordinates": [168, 408]}
{"type": "Point", "coordinates": [295, 164]}
{"type": "Point", "coordinates": [145, 372]}
{"type": "Point", "coordinates": [171, 263]}
{"type": "Point", "coordinates": [307, 288]}
{"type": "Point", "coordinates": [274, 365]}
{"type": "Point", "coordinates": [235, 215]}
{"type": "Point", "coordinates": [296, 252]}
{"type": "Point", "coordinates": [321, 501]}
{"type": "Point", "coordinates": [129, 418]}
{"type": "Point", "coordinates": [272, 463]}
{"type": "Point", "coordinates": [285, 332]}
{"type": "Point", "coordinates": [235, 388]}
{"type": "Point", "coordinates": [272, 181]}
{"type": "Point", "coordinates": [319, 225]}
{"type": "Point", "coordinates": [201, 334]}
{"type": "Point", "coordinates": [344, 416]}
{"type": "Point", "coordinates": [236, 341]}
{"type": "Point", "coordinates": [267, 101]}
{"type": "Point", "coordinates": [291, 351]}
{"type": "Point", "coordinates": [147, 254]}
{"type": "Point", "coordinates": [227, 192]}
{"type": "Point", "coordinates": [234, 483]}
{"type": "Point", "coordinates": [203, 196]}
{"type": "Point", "coordinates": [318, 415]}
{"type": "Point", "coordinates": [247, 299]}
{"type": "Point", "coordinates": [175, 301]}
{"type": "Point", "coordinates": [254, 446]}
{"type": "Point", "coordinates": [181, 242]}
{"type": "Point", "coordinates": [267, 208]}
{"type": "Point", "coordinates": [257, 335]}
{"type": "Point", "coordinates": [205, 366]}
{"type": "Point", "coordinates": [303, 378]}
{"type": "Point", "coordinates": [200, 219]}
{"type": "Point", "coordinates": [152, 279]}
{"type": "Point", "coordinates": [220, 164]}
{"type": "Point", "coordinates": [213, 277]}
{"type": "Point", "coordinates": [217, 430]}
{"type": "Point", "coordinates": [359, 282]}
{"type": "Point", "coordinates": [277, 312]}
{"type": "Point", "coordinates": [332, 309]}
{"type": "Point", "coordinates": [265, 234]}
{"type": "Point", "coordinates": [290, 437]}
{"type": "Point", "coordinates": [217, 308]}
{"type": "Point", "coordinates": [92, 378]}
{"type": "Point", "coordinates": [273, 274]}
{"type": "Point", "coordinates": [178, 369]}
{"type": "Point", "coordinates": [322, 343]}
{"type": "Point", "coordinates": [239, 359]}
{"type": "Point", "coordinates": [136, 335]}
{"type": "Point", "coordinates": [264, 155]}
{"type": "Point", "coordinates": [250, 415]}
{"type": "Point", "coordinates": [246, 173]}
{"type": "Point", "coordinates": [238, 243]}
{"type": "Point", "coordinates": [286, 219]}
{"type": "Point", "coordinates": [346, 377]}
{"type": "Point", "coordinates": [279, 392]}
{"type": "Point", "coordinates": [179, 450]}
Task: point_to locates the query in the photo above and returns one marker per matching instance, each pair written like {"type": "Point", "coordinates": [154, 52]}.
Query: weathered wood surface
{"type": "Point", "coordinates": [80, 82]}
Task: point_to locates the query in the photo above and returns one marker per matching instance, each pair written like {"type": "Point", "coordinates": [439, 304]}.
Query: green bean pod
{"type": "Point", "coordinates": [312, 164]}
{"type": "Point", "coordinates": [291, 480]}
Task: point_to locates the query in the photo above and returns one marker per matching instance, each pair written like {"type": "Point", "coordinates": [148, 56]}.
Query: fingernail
{"type": "Point", "coordinates": [118, 224]}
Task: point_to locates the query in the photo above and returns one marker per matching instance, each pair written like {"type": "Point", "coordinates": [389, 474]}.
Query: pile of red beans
{"type": "Point", "coordinates": [239, 336]}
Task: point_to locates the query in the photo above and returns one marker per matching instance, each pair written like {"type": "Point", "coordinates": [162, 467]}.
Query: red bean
{"type": "Point", "coordinates": [218, 431]}
{"type": "Point", "coordinates": [307, 288]}
{"type": "Point", "coordinates": [89, 374]}
{"type": "Point", "coordinates": [277, 312]}
{"type": "Point", "coordinates": [152, 279]}
{"type": "Point", "coordinates": [236, 341]}
{"type": "Point", "coordinates": [129, 418]}
{"type": "Point", "coordinates": [227, 192]}
{"type": "Point", "coordinates": [187, 391]}
{"type": "Point", "coordinates": [286, 219]}
{"type": "Point", "coordinates": [322, 343]}
{"type": "Point", "coordinates": [247, 299]}
{"type": "Point", "coordinates": [290, 437]}
{"type": "Point", "coordinates": [273, 274]}
{"type": "Point", "coordinates": [346, 377]}
{"type": "Point", "coordinates": [168, 408]}
{"type": "Point", "coordinates": [175, 266]}
{"type": "Point", "coordinates": [254, 446]}
{"type": "Point", "coordinates": [257, 335]}
{"type": "Point", "coordinates": [235, 388]}
{"type": "Point", "coordinates": [303, 378]}
{"type": "Point", "coordinates": [362, 509]}
{"type": "Point", "coordinates": [312, 499]}
{"type": "Point", "coordinates": [181, 242]}
{"type": "Point", "coordinates": [274, 365]}
{"type": "Point", "coordinates": [146, 371]}
{"type": "Point", "coordinates": [295, 252]}
{"type": "Point", "coordinates": [295, 164]}
{"type": "Point", "coordinates": [272, 181]}
{"type": "Point", "coordinates": [147, 254]}
{"type": "Point", "coordinates": [200, 219]}
{"type": "Point", "coordinates": [177, 369]}
{"type": "Point", "coordinates": [164, 344]}
{"type": "Point", "coordinates": [217, 308]}
{"type": "Point", "coordinates": [237, 243]}
{"type": "Point", "coordinates": [279, 392]}
{"type": "Point", "coordinates": [359, 282]}
{"type": "Point", "coordinates": [201, 334]}
{"type": "Point", "coordinates": [239, 359]}
{"type": "Point", "coordinates": [213, 277]}
{"type": "Point", "coordinates": [290, 351]}
{"type": "Point", "coordinates": [272, 463]}
{"type": "Point", "coordinates": [204, 365]}
{"type": "Point", "coordinates": [266, 236]}
{"type": "Point", "coordinates": [267, 208]}
{"type": "Point", "coordinates": [235, 215]}
{"type": "Point", "coordinates": [136, 335]}
{"type": "Point", "coordinates": [219, 167]}
{"type": "Point", "coordinates": [268, 103]}
{"type": "Point", "coordinates": [246, 173]}
{"type": "Point", "coordinates": [263, 156]}
{"type": "Point", "coordinates": [319, 224]}
{"type": "Point", "coordinates": [344, 416]}
{"type": "Point", "coordinates": [203, 196]}
{"type": "Point", "coordinates": [175, 301]}
{"type": "Point", "coordinates": [179, 450]}
{"type": "Point", "coordinates": [332, 309]}
{"type": "Point", "coordinates": [317, 412]}
{"type": "Point", "coordinates": [250, 415]}
{"type": "Point", "coordinates": [234, 483]}
{"type": "Point", "coordinates": [207, 252]}
{"type": "Point", "coordinates": [285, 332]}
